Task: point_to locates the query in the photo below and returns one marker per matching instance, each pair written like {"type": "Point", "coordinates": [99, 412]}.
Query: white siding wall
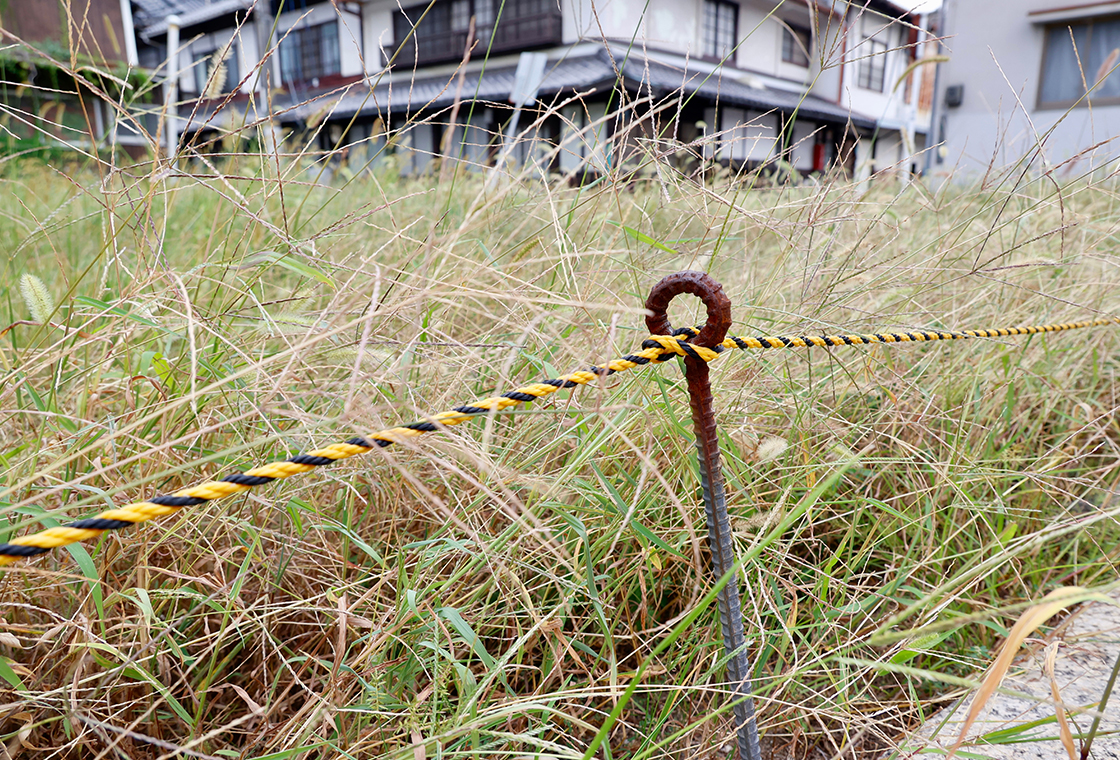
{"type": "Point", "coordinates": [571, 154]}
{"type": "Point", "coordinates": [997, 56]}
{"type": "Point", "coordinates": [596, 151]}
{"type": "Point", "coordinates": [747, 135]}
{"type": "Point", "coordinates": [889, 153]}
{"type": "Point", "coordinates": [377, 32]}
{"type": "Point", "coordinates": [418, 145]}
{"type": "Point", "coordinates": [583, 138]}
{"type": "Point", "coordinates": [472, 137]}
{"type": "Point", "coordinates": [804, 138]}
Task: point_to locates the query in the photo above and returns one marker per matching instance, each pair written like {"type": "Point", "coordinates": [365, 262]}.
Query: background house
{"type": "Point", "coordinates": [793, 85]}
{"type": "Point", "coordinates": [1029, 79]}
{"type": "Point", "coordinates": [43, 104]}
{"type": "Point", "coordinates": [809, 86]}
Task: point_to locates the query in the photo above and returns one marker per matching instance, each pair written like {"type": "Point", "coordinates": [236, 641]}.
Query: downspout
{"type": "Point", "coordinates": [935, 110]}
{"type": "Point", "coordinates": [262, 28]}
{"type": "Point", "coordinates": [171, 108]}
{"type": "Point", "coordinates": [129, 31]}
{"type": "Point", "coordinates": [839, 145]}
{"type": "Point", "coordinates": [843, 58]}
{"type": "Point", "coordinates": [264, 80]}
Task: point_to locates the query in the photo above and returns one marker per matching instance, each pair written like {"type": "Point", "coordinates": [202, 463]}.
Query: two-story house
{"type": "Point", "coordinates": [1029, 82]}
{"type": "Point", "coordinates": [805, 84]}
{"type": "Point", "coordinates": [44, 104]}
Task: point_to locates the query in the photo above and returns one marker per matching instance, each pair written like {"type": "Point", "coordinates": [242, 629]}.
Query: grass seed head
{"type": "Point", "coordinates": [216, 76]}
{"type": "Point", "coordinates": [36, 297]}
{"type": "Point", "coordinates": [771, 448]}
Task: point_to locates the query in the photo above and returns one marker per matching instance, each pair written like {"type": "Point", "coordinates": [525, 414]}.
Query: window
{"type": "Point", "coordinates": [720, 21]}
{"type": "Point", "coordinates": [795, 45]}
{"type": "Point", "coordinates": [216, 71]}
{"type": "Point", "coordinates": [1077, 55]}
{"type": "Point", "coordinates": [872, 51]}
{"type": "Point", "coordinates": [283, 6]}
{"type": "Point", "coordinates": [483, 19]}
{"type": "Point", "coordinates": [310, 53]}
{"type": "Point", "coordinates": [460, 15]}
{"type": "Point", "coordinates": [437, 31]}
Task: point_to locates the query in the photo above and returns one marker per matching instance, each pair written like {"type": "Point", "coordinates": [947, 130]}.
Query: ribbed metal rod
{"type": "Point", "coordinates": [723, 554]}
{"type": "Point", "coordinates": [711, 482]}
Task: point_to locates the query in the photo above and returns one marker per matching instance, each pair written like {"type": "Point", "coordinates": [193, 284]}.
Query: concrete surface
{"type": "Point", "coordinates": [1089, 644]}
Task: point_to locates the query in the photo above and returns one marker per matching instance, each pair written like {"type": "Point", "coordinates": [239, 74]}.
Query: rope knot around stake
{"type": "Point", "coordinates": [710, 292]}
{"type": "Point", "coordinates": [674, 346]}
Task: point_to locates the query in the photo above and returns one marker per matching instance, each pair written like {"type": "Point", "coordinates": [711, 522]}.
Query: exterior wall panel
{"type": "Point", "coordinates": [999, 121]}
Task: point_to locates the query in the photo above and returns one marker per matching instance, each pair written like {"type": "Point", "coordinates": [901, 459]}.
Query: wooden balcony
{"type": "Point", "coordinates": [521, 27]}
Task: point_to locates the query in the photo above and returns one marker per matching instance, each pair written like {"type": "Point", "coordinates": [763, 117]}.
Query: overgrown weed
{"type": "Point", "coordinates": [492, 590]}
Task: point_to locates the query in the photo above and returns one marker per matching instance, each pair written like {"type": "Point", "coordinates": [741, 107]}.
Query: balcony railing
{"type": "Point", "coordinates": [513, 33]}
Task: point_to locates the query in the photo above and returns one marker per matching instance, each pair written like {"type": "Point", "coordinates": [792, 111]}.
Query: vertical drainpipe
{"type": "Point", "coordinates": [129, 33]}
{"type": "Point", "coordinates": [843, 57]}
{"type": "Point", "coordinates": [171, 110]}
{"type": "Point", "coordinates": [838, 143]}
{"type": "Point", "coordinates": [910, 135]}
{"type": "Point", "coordinates": [932, 138]}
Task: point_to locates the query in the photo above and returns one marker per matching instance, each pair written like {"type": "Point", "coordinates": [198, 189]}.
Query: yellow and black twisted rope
{"type": "Point", "coordinates": [656, 349]}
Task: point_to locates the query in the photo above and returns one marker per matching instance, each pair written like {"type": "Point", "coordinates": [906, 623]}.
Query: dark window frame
{"type": "Point", "coordinates": [710, 45]}
{"type": "Point", "coordinates": [793, 52]}
{"type": "Point", "coordinates": [871, 72]}
{"type": "Point", "coordinates": [1081, 101]}
{"type": "Point", "coordinates": [284, 6]}
{"type": "Point", "coordinates": [437, 33]}
{"type": "Point", "coordinates": [308, 67]}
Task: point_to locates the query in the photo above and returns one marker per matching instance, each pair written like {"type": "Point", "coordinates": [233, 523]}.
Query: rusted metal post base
{"type": "Point", "coordinates": [711, 481]}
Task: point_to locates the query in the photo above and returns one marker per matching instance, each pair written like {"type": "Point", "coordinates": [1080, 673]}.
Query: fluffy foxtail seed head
{"type": "Point", "coordinates": [216, 76]}
{"type": "Point", "coordinates": [771, 448]}
{"type": "Point", "coordinates": [37, 298]}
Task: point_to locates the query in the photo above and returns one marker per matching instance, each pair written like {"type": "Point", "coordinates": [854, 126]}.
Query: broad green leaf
{"type": "Point", "coordinates": [9, 675]}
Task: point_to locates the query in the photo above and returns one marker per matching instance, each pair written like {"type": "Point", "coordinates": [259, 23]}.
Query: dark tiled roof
{"type": "Point", "coordinates": [151, 15]}
{"type": "Point", "coordinates": [403, 91]}
{"type": "Point", "coordinates": [721, 86]}
{"type": "Point", "coordinates": [406, 92]}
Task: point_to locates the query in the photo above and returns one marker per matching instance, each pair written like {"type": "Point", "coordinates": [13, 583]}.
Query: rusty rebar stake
{"type": "Point", "coordinates": [711, 481]}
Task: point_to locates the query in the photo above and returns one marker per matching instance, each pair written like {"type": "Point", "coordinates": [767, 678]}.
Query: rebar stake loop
{"type": "Point", "coordinates": [711, 480]}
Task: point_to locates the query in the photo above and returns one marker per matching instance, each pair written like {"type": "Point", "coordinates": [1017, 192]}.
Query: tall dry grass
{"type": "Point", "coordinates": [495, 590]}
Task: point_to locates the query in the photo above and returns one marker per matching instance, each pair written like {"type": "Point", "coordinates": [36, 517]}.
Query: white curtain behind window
{"type": "Point", "coordinates": [1104, 37]}
{"type": "Point", "coordinates": [1061, 78]}
{"type": "Point", "coordinates": [1074, 57]}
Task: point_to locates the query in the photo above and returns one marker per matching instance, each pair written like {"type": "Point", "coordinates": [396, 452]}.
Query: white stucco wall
{"type": "Point", "coordinates": [999, 121]}
{"type": "Point", "coordinates": [377, 33]}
